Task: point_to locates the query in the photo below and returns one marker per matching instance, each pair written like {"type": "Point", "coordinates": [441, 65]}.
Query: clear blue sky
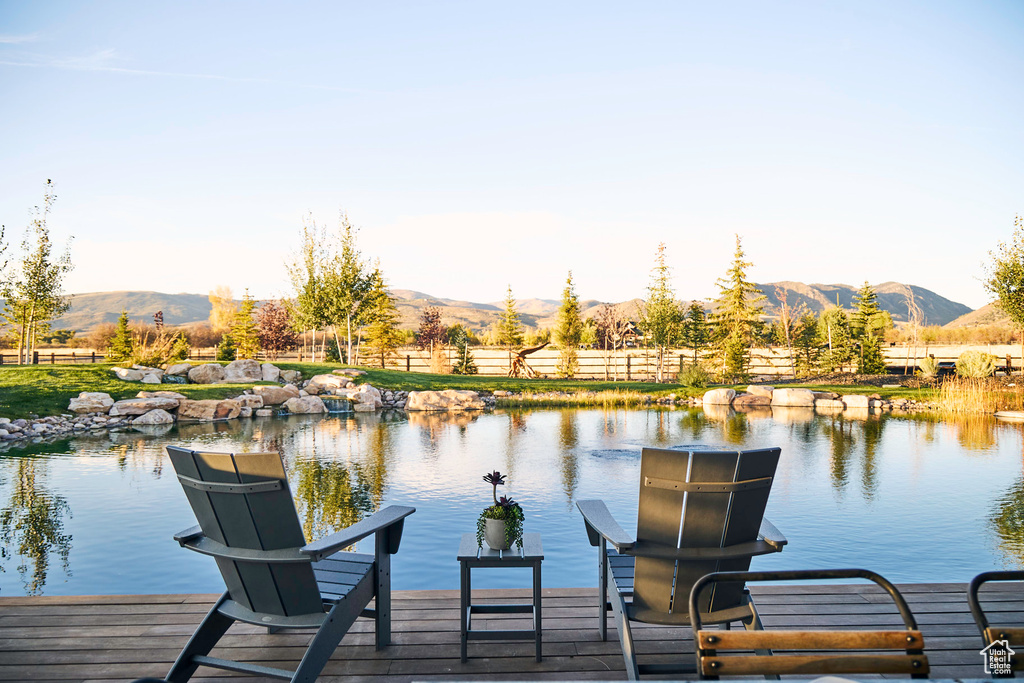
{"type": "Point", "coordinates": [478, 145]}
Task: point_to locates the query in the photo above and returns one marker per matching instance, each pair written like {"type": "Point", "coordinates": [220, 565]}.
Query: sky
{"type": "Point", "coordinates": [478, 146]}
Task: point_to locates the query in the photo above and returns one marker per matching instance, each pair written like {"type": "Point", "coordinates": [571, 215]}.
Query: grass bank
{"type": "Point", "coordinates": [46, 389]}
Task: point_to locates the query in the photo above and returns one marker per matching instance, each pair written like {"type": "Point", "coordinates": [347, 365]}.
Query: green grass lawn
{"type": "Point", "coordinates": [46, 389]}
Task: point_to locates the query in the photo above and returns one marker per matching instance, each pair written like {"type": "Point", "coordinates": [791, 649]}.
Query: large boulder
{"type": "Point", "coordinates": [154, 417]}
{"type": "Point", "coordinates": [141, 406]}
{"type": "Point", "coordinates": [153, 378]}
{"type": "Point", "coordinates": [250, 401]}
{"type": "Point", "coordinates": [275, 396]}
{"type": "Point", "coordinates": [760, 390]}
{"type": "Point", "coordinates": [291, 376]}
{"type": "Point", "coordinates": [270, 372]}
{"type": "Point", "coordinates": [178, 369]}
{"type": "Point", "coordinates": [364, 394]}
{"type": "Point", "coordinates": [128, 374]}
{"type": "Point", "coordinates": [305, 404]}
{"type": "Point", "coordinates": [751, 400]}
{"type": "Point", "coordinates": [208, 373]}
{"type": "Point", "coordinates": [794, 398]}
{"type": "Point", "coordinates": [326, 382]}
{"type": "Point", "coordinates": [243, 371]}
{"type": "Point", "coordinates": [449, 399]}
{"type": "Point", "coordinates": [719, 397]}
{"type": "Point", "coordinates": [209, 409]}
{"type": "Point", "coordinates": [91, 402]}
{"type": "Point", "coordinates": [857, 401]}
{"type": "Point", "coordinates": [161, 394]}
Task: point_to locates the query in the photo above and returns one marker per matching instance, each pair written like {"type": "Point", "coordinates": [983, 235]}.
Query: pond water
{"type": "Point", "coordinates": [913, 498]}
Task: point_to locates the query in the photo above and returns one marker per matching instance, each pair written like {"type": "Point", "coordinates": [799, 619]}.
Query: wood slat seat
{"type": "Point", "coordinates": [699, 511]}
{"type": "Point", "coordinates": [248, 523]}
{"type": "Point", "coordinates": [806, 652]}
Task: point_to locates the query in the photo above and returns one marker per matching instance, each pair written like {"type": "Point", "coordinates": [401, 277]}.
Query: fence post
{"type": "Point", "coordinates": [35, 358]}
{"type": "Point", "coordinates": [1, 359]}
{"type": "Point", "coordinates": [53, 358]}
{"type": "Point", "coordinates": [93, 356]}
{"type": "Point", "coordinates": [628, 358]}
{"type": "Point", "coordinates": [407, 362]}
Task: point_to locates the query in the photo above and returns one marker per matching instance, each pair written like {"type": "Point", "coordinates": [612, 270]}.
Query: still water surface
{"type": "Point", "coordinates": [912, 498]}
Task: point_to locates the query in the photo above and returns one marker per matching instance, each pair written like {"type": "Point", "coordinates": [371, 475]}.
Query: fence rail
{"type": "Point", "coordinates": [633, 364]}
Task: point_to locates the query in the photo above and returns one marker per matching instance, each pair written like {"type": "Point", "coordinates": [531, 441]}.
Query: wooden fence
{"type": "Point", "coordinates": [635, 364]}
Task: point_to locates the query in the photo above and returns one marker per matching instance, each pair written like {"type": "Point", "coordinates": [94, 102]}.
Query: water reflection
{"type": "Point", "coordinates": [569, 466]}
{"type": "Point", "coordinates": [841, 476]}
{"type": "Point", "coordinates": [32, 526]}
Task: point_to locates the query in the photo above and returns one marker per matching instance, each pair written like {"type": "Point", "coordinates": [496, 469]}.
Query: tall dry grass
{"type": "Point", "coordinates": [961, 395]}
{"type": "Point", "coordinates": [608, 398]}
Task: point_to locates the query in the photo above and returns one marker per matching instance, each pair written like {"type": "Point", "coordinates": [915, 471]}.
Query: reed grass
{"type": "Point", "coordinates": [960, 395]}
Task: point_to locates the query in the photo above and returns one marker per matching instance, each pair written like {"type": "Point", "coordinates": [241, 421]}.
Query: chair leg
{"type": "Point", "coordinates": [382, 593]}
{"type": "Point", "coordinates": [602, 589]}
{"type": "Point", "coordinates": [213, 626]}
{"type": "Point", "coordinates": [339, 620]}
{"type": "Point", "coordinates": [625, 636]}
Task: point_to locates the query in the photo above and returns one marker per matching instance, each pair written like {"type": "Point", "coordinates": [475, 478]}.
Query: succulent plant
{"type": "Point", "coordinates": [504, 508]}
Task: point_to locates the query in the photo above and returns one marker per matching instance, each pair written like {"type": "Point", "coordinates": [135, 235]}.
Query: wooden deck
{"type": "Point", "coordinates": [121, 638]}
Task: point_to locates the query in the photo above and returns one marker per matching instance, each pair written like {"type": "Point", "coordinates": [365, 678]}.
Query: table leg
{"type": "Point", "coordinates": [464, 611]}
{"type": "Point", "coordinates": [537, 606]}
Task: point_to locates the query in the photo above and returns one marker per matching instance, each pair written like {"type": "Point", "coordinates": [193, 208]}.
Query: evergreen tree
{"type": "Point", "coordinates": [121, 345]}
{"type": "Point", "coordinates": [835, 337]}
{"type": "Point", "coordinates": [244, 333]}
{"type": "Point", "coordinates": [866, 326]}
{"type": "Point", "coordinates": [382, 335]}
{"type": "Point", "coordinates": [806, 343]}
{"type": "Point", "coordinates": [458, 336]}
{"type": "Point", "coordinates": [695, 333]}
{"type": "Point", "coordinates": [226, 348]}
{"type": "Point", "coordinates": [569, 331]}
{"type": "Point", "coordinates": [661, 316]}
{"type": "Point", "coordinates": [737, 316]}
{"type": "Point", "coordinates": [510, 329]}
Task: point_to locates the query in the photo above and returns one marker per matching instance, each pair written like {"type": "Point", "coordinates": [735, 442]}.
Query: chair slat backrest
{"type": "Point", "coordinates": [696, 519]}
{"type": "Point", "coordinates": [254, 520]}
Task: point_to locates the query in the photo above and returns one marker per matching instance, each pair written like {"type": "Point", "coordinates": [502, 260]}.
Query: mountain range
{"type": "Point", "coordinates": [92, 309]}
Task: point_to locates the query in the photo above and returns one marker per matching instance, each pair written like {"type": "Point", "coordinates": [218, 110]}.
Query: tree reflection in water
{"type": "Point", "coordinates": [32, 526]}
{"type": "Point", "coordinates": [569, 466]}
{"type": "Point", "coordinates": [1008, 520]}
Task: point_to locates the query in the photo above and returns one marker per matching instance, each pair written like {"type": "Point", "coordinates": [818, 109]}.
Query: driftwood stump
{"type": "Point", "coordinates": [519, 367]}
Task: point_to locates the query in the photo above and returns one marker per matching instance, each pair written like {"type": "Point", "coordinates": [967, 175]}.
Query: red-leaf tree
{"type": "Point", "coordinates": [274, 328]}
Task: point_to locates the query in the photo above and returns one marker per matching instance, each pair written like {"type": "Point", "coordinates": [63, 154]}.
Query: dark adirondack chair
{"type": "Point", "coordinates": [699, 512]}
{"type": "Point", "coordinates": [249, 525]}
{"type": "Point", "coordinates": [991, 635]}
{"type": "Point", "coordinates": [806, 652]}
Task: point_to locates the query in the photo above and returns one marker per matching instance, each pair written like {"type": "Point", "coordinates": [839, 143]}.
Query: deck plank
{"type": "Point", "coordinates": [118, 638]}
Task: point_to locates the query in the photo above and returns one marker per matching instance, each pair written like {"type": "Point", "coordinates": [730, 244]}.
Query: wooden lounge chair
{"type": "Point", "coordinates": [699, 512]}
{"type": "Point", "coordinates": [780, 652]}
{"type": "Point", "coordinates": [248, 523]}
{"type": "Point", "coordinates": [1011, 637]}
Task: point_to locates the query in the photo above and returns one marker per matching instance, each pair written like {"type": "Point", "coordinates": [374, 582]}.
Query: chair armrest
{"type": "Point", "coordinates": [189, 534]}
{"type": "Point", "coordinates": [393, 515]}
{"type": "Point", "coordinates": [600, 523]}
{"type": "Point", "coordinates": [770, 534]}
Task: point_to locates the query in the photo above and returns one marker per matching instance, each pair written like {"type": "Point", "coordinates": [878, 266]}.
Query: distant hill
{"type": "Point", "coordinates": [989, 314]}
{"type": "Point", "coordinates": [937, 309]}
{"type": "Point", "coordinates": [89, 310]}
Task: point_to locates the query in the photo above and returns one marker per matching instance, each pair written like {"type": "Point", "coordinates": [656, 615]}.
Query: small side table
{"type": "Point", "coordinates": [472, 557]}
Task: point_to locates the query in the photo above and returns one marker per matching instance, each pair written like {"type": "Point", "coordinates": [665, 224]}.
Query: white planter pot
{"type": "Point", "coordinates": [494, 534]}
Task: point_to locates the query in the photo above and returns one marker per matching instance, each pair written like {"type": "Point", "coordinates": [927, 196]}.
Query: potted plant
{"type": "Point", "coordinates": [500, 524]}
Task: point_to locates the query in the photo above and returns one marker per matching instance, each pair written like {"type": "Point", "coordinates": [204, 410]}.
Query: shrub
{"type": "Point", "coordinates": [928, 367]}
{"type": "Point", "coordinates": [693, 376]}
{"type": "Point", "coordinates": [975, 364]}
